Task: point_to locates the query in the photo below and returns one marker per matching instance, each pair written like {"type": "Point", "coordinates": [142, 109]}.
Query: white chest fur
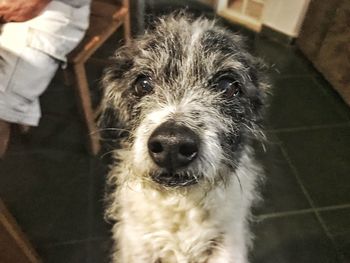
{"type": "Point", "coordinates": [199, 225]}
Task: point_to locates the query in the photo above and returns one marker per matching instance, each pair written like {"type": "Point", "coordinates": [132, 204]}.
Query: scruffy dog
{"type": "Point", "coordinates": [183, 102]}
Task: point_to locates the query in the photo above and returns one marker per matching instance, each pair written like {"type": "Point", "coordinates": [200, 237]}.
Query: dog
{"type": "Point", "coordinates": [182, 105]}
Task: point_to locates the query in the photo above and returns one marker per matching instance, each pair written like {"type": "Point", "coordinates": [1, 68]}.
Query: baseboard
{"type": "Point", "coordinates": [276, 35]}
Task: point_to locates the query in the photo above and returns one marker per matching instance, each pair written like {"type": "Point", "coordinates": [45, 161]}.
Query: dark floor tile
{"type": "Point", "coordinates": [282, 59]}
{"type": "Point", "coordinates": [299, 102]}
{"type": "Point", "coordinates": [338, 224]}
{"type": "Point", "coordinates": [343, 245]}
{"type": "Point", "coordinates": [80, 251]}
{"type": "Point", "coordinates": [292, 239]}
{"type": "Point", "coordinates": [63, 131]}
{"type": "Point", "coordinates": [59, 133]}
{"type": "Point", "coordinates": [338, 102]}
{"type": "Point", "coordinates": [337, 221]}
{"type": "Point", "coordinates": [99, 227]}
{"type": "Point", "coordinates": [100, 251]}
{"type": "Point", "coordinates": [280, 191]}
{"type": "Point", "coordinates": [76, 252]}
{"type": "Point", "coordinates": [321, 158]}
{"type": "Point", "coordinates": [59, 99]}
{"type": "Point", "coordinates": [54, 133]}
{"type": "Point", "coordinates": [47, 192]}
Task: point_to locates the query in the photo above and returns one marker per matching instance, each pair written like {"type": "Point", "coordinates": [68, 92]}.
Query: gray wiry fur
{"type": "Point", "coordinates": [184, 59]}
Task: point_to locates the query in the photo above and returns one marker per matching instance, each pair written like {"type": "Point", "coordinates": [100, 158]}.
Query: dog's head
{"type": "Point", "coordinates": [189, 97]}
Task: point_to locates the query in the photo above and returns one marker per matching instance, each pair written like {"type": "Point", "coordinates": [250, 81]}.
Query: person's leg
{"type": "Point", "coordinates": [8, 61]}
{"type": "Point", "coordinates": [30, 76]}
{"type": "Point", "coordinates": [29, 57]}
{"type": "Point", "coordinates": [4, 136]}
{"type": "Point", "coordinates": [19, 102]}
{"type": "Point", "coordinates": [24, 75]}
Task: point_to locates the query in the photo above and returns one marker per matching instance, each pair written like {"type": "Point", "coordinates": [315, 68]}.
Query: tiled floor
{"type": "Point", "coordinates": [55, 189]}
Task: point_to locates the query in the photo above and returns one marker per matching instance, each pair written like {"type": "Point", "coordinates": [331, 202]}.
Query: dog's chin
{"type": "Point", "coordinates": [174, 179]}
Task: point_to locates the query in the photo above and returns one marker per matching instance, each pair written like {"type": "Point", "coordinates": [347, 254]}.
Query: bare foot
{"type": "Point", "coordinates": [4, 137]}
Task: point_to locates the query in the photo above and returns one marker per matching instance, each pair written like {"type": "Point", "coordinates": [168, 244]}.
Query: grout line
{"type": "Point", "coordinates": [308, 197]}
{"type": "Point", "coordinates": [302, 211]}
{"type": "Point", "coordinates": [297, 177]}
{"type": "Point", "coordinates": [334, 207]}
{"type": "Point", "coordinates": [284, 214]}
{"type": "Point", "coordinates": [334, 103]}
{"type": "Point", "coordinates": [313, 127]}
{"type": "Point", "coordinates": [75, 241]}
{"type": "Point", "coordinates": [328, 234]}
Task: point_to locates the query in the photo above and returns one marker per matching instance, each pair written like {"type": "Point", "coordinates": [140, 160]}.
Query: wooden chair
{"type": "Point", "coordinates": [14, 246]}
{"type": "Point", "coordinates": [106, 17]}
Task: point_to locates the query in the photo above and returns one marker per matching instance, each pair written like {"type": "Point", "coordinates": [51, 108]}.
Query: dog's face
{"type": "Point", "coordinates": [189, 97]}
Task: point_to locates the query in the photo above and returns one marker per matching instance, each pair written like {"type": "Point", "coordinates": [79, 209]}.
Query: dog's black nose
{"type": "Point", "coordinates": [173, 146]}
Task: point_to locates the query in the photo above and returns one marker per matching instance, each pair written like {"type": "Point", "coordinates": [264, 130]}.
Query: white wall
{"type": "Point", "coordinates": [285, 16]}
{"type": "Point", "coordinates": [221, 5]}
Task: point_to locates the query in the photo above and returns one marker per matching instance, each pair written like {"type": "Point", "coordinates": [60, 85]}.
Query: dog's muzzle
{"type": "Point", "coordinates": [173, 147]}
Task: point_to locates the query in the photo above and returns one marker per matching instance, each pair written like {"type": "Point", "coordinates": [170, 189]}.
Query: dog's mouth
{"type": "Point", "coordinates": [171, 179]}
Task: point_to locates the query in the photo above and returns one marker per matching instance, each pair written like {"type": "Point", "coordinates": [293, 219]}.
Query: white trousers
{"type": "Point", "coordinates": [30, 53]}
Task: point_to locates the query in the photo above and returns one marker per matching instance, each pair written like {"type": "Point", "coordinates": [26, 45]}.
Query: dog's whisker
{"type": "Point", "coordinates": [108, 129]}
{"type": "Point", "coordinates": [106, 153]}
{"type": "Point", "coordinates": [239, 182]}
{"type": "Point", "coordinates": [108, 140]}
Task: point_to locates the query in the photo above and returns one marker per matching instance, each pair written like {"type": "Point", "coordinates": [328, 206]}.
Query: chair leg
{"type": "Point", "coordinates": [15, 247]}
{"type": "Point", "coordinates": [126, 24]}
{"type": "Point", "coordinates": [86, 107]}
{"type": "Point", "coordinates": [68, 76]}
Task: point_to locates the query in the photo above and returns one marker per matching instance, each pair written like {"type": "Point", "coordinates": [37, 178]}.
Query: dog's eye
{"type": "Point", "coordinates": [143, 85]}
{"type": "Point", "coordinates": [229, 87]}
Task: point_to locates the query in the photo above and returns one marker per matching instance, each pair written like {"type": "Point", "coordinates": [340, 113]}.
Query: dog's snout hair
{"type": "Point", "coordinates": [184, 100]}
